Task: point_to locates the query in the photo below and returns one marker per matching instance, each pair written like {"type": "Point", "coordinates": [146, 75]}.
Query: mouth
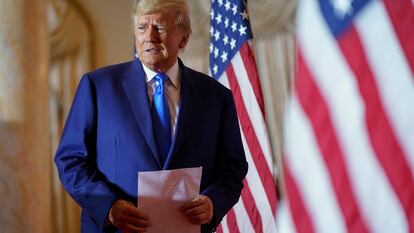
{"type": "Point", "coordinates": [153, 50]}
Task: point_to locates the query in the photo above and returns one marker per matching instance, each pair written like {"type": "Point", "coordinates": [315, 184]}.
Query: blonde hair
{"type": "Point", "coordinates": [181, 8]}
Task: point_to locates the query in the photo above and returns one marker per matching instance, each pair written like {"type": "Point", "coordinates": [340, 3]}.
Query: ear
{"type": "Point", "coordinates": [184, 40]}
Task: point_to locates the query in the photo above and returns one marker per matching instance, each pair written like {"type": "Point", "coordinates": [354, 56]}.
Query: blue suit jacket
{"type": "Point", "coordinates": [108, 138]}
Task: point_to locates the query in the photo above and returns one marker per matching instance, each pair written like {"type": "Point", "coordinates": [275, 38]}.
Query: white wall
{"type": "Point", "coordinates": [111, 20]}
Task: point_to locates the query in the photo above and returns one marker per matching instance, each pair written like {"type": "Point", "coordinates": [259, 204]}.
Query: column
{"type": "Point", "coordinates": [25, 166]}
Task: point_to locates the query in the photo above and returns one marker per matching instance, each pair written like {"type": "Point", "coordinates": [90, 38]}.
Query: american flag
{"type": "Point", "coordinates": [233, 64]}
{"type": "Point", "coordinates": [349, 127]}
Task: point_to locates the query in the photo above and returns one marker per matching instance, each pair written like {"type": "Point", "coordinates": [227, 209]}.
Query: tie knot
{"type": "Point", "coordinates": [161, 77]}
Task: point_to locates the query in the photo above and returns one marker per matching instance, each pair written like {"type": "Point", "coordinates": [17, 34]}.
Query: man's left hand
{"type": "Point", "coordinates": [198, 210]}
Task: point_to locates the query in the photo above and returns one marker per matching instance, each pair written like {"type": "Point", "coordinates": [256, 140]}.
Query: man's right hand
{"type": "Point", "coordinates": [127, 218]}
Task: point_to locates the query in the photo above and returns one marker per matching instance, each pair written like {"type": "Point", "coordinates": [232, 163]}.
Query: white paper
{"type": "Point", "coordinates": [161, 193]}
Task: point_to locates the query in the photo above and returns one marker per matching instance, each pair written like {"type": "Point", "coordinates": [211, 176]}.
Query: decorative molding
{"type": "Point", "coordinates": [71, 48]}
{"type": "Point", "coordinates": [70, 29]}
{"type": "Point", "coordinates": [270, 16]}
{"type": "Point", "coordinates": [10, 214]}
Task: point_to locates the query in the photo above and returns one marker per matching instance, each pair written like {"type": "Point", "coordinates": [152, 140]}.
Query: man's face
{"type": "Point", "coordinates": [159, 40]}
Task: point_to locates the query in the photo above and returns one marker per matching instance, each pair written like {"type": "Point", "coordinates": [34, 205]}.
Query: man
{"type": "Point", "coordinates": [121, 115]}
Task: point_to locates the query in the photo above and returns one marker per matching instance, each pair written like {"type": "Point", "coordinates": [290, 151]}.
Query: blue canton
{"type": "Point", "coordinates": [230, 29]}
{"type": "Point", "coordinates": [339, 14]}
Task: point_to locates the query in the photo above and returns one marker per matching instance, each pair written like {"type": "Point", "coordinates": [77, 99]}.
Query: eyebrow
{"type": "Point", "coordinates": [160, 23]}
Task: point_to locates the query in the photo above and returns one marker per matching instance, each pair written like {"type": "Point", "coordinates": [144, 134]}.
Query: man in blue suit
{"type": "Point", "coordinates": [152, 113]}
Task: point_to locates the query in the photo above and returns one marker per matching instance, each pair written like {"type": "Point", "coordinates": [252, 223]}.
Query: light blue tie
{"type": "Point", "coordinates": [161, 118]}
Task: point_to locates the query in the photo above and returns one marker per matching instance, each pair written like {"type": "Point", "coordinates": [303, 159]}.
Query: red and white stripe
{"type": "Point", "coordinates": [255, 212]}
{"type": "Point", "coordinates": [349, 129]}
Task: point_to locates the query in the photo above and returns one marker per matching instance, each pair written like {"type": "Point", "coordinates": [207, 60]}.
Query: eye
{"type": "Point", "coordinates": [141, 28]}
{"type": "Point", "coordinates": [160, 28]}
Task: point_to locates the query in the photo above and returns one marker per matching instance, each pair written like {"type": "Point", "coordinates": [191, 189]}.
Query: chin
{"type": "Point", "coordinates": [153, 62]}
{"type": "Point", "coordinates": [153, 66]}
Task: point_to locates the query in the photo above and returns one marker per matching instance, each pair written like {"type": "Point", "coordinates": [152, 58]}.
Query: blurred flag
{"type": "Point", "coordinates": [233, 64]}
{"type": "Point", "coordinates": [349, 127]}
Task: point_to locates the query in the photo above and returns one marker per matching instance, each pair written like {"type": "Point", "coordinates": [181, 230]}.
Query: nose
{"type": "Point", "coordinates": [151, 34]}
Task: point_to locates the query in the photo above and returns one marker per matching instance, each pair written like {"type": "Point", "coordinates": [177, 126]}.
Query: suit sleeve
{"type": "Point", "coordinates": [76, 156]}
{"type": "Point", "coordinates": [231, 164]}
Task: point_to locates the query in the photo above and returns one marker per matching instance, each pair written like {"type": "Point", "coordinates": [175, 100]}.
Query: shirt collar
{"type": "Point", "coordinates": [173, 74]}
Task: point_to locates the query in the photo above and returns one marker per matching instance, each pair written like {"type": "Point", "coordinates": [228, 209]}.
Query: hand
{"type": "Point", "coordinates": [127, 218]}
{"type": "Point", "coordinates": [198, 210]}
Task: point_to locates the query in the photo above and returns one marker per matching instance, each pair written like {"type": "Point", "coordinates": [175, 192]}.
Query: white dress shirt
{"type": "Point", "coordinates": [172, 88]}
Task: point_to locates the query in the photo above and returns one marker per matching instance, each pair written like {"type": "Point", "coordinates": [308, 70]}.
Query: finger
{"type": "Point", "coordinates": [134, 212]}
{"type": "Point", "coordinates": [199, 219]}
{"type": "Point", "coordinates": [122, 206]}
{"type": "Point", "coordinates": [126, 227]}
{"type": "Point", "coordinates": [200, 200]}
{"type": "Point", "coordinates": [133, 215]}
{"type": "Point", "coordinates": [125, 206]}
{"type": "Point", "coordinates": [135, 221]}
{"type": "Point", "coordinates": [199, 216]}
{"type": "Point", "coordinates": [196, 210]}
{"type": "Point", "coordinates": [124, 212]}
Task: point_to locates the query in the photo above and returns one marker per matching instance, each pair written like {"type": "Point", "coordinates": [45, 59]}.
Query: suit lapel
{"type": "Point", "coordinates": [184, 117]}
{"type": "Point", "coordinates": [136, 91]}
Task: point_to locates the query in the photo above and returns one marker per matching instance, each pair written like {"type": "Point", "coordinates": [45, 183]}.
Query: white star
{"type": "Point", "coordinates": [220, 2]}
{"type": "Point", "coordinates": [212, 14]}
{"type": "Point", "coordinates": [233, 43]}
{"type": "Point", "coordinates": [245, 15]}
{"type": "Point", "coordinates": [226, 40]}
{"type": "Point", "coordinates": [234, 9]}
{"type": "Point", "coordinates": [216, 52]}
{"type": "Point", "coordinates": [242, 30]}
{"type": "Point", "coordinates": [226, 22]}
{"type": "Point", "coordinates": [218, 18]}
{"type": "Point", "coordinates": [223, 57]}
{"type": "Point", "coordinates": [342, 7]}
{"type": "Point", "coordinates": [234, 26]}
{"type": "Point", "coordinates": [211, 47]}
{"type": "Point", "coordinates": [227, 5]}
{"type": "Point", "coordinates": [215, 69]}
{"type": "Point", "coordinates": [211, 30]}
{"type": "Point", "coordinates": [217, 35]}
